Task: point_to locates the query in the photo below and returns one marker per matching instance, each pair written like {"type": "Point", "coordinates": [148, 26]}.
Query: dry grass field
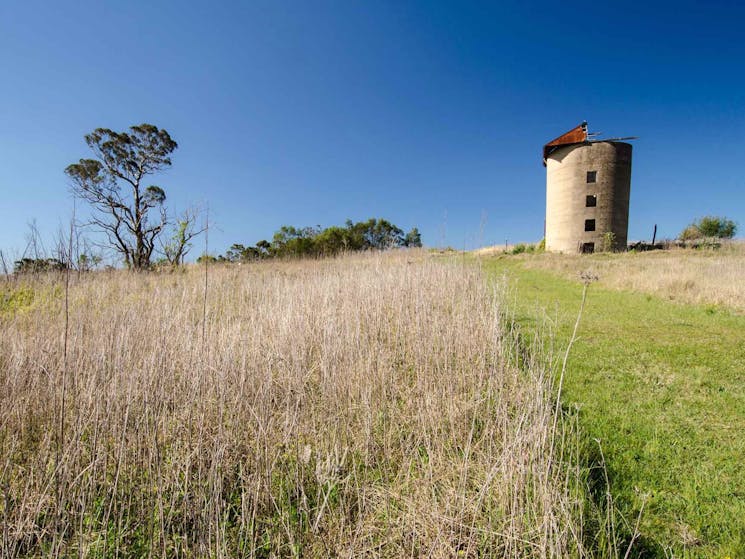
{"type": "Point", "coordinates": [360, 407]}
{"type": "Point", "coordinates": [713, 277]}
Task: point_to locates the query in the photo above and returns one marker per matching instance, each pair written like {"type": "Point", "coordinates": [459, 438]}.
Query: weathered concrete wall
{"type": "Point", "coordinates": [567, 190]}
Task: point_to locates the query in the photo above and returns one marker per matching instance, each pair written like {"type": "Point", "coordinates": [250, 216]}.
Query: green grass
{"type": "Point", "coordinates": [662, 387]}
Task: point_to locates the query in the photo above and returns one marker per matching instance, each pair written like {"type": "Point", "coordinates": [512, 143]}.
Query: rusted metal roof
{"type": "Point", "coordinates": [576, 135]}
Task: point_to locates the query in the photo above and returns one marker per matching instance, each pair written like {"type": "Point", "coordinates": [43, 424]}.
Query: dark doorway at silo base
{"type": "Point", "coordinates": [587, 248]}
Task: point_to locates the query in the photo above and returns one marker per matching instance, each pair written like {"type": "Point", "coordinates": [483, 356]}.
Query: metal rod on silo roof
{"type": "Point", "coordinates": [615, 139]}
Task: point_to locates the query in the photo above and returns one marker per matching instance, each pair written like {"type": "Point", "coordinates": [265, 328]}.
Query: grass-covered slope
{"type": "Point", "coordinates": [661, 385]}
{"type": "Point", "coordinates": [367, 406]}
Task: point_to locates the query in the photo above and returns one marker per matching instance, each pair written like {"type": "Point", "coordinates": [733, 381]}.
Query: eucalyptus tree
{"type": "Point", "coordinates": [131, 214]}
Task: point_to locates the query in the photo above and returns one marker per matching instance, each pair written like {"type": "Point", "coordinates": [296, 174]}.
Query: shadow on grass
{"type": "Point", "coordinates": [607, 531]}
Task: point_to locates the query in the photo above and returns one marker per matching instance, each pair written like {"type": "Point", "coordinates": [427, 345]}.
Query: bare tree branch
{"type": "Point", "coordinates": [185, 229]}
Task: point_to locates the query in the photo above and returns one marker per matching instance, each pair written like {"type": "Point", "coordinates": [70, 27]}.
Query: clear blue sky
{"type": "Point", "coordinates": [430, 114]}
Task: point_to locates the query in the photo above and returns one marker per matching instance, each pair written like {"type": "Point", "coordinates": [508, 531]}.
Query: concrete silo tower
{"type": "Point", "coordinates": [588, 184]}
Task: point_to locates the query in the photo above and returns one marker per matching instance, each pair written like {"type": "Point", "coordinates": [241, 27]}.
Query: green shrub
{"type": "Point", "coordinates": [709, 226]}
{"type": "Point", "coordinates": [609, 241]}
{"type": "Point", "coordinates": [528, 248]}
{"type": "Point", "coordinates": [519, 248]}
{"type": "Point", "coordinates": [16, 299]}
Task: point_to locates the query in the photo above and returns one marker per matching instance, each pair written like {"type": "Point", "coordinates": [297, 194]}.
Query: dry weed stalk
{"type": "Point", "coordinates": [365, 406]}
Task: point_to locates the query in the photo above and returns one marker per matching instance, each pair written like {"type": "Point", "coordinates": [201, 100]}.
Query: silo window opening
{"type": "Point", "coordinates": [589, 225]}
{"type": "Point", "coordinates": [592, 176]}
{"type": "Point", "coordinates": [591, 201]}
{"type": "Point", "coordinates": [587, 248]}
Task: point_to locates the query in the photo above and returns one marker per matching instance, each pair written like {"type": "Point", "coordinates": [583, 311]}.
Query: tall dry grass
{"type": "Point", "coordinates": [365, 406]}
{"type": "Point", "coordinates": [704, 276]}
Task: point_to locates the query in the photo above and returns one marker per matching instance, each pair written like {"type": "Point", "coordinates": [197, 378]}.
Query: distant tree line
{"type": "Point", "coordinates": [83, 263]}
{"type": "Point", "coordinates": [36, 265]}
{"type": "Point", "coordinates": [293, 242]}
